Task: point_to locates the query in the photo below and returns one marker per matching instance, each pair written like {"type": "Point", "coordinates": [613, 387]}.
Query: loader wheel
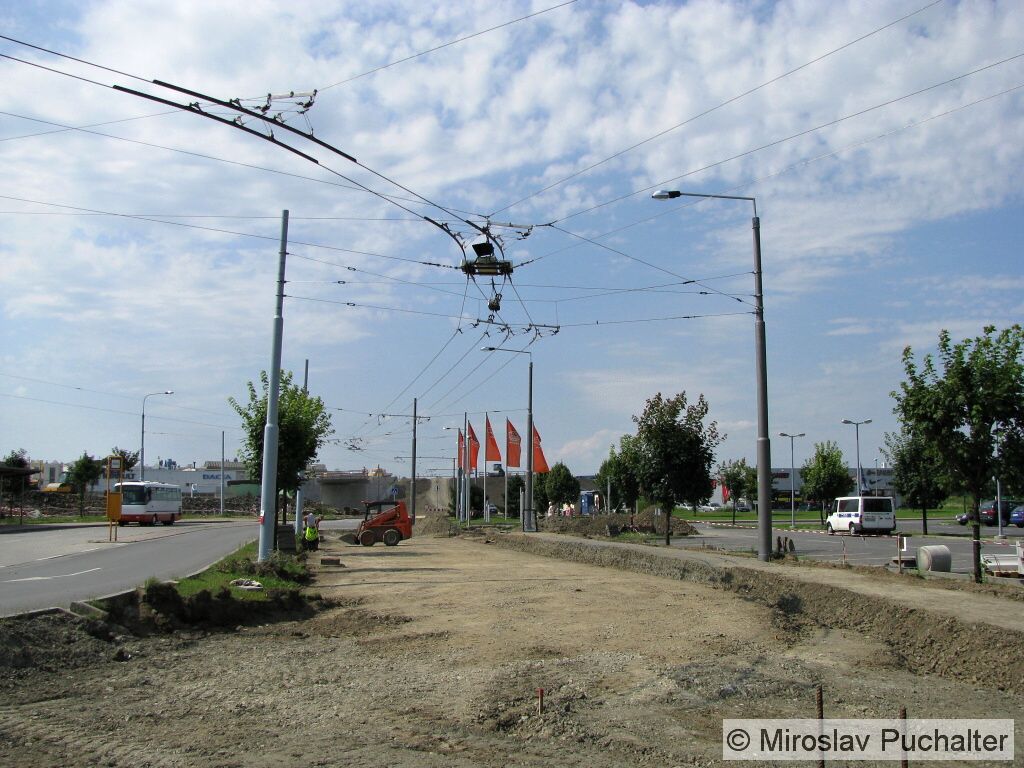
{"type": "Point", "coordinates": [392, 537]}
{"type": "Point", "coordinates": [367, 538]}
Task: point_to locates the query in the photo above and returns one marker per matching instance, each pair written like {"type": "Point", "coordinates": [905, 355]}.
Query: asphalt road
{"type": "Point", "coordinates": [45, 566]}
{"type": "Point", "coordinates": [857, 550]}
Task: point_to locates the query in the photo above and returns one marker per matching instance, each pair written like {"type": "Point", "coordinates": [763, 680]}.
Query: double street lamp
{"type": "Point", "coordinates": [764, 461]}
{"type": "Point", "coordinates": [856, 427]}
{"type": "Point", "coordinates": [527, 516]}
{"type": "Point", "coordinates": [142, 442]}
{"type": "Point", "coordinates": [792, 477]}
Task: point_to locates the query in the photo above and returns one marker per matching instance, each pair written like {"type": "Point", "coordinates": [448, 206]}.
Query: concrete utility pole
{"type": "Point", "coordinates": [412, 490]}
{"type": "Point", "coordinates": [268, 487]}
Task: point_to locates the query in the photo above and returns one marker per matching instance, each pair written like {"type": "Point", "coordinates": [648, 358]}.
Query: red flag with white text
{"type": "Point", "coordinates": [474, 448]}
{"type": "Point", "coordinates": [540, 464]}
{"type": "Point", "coordinates": [513, 444]}
{"type": "Point", "coordinates": [491, 452]}
{"type": "Point", "coordinates": [462, 452]}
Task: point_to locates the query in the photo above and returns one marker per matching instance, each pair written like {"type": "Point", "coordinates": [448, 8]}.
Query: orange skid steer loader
{"type": "Point", "coordinates": [386, 521]}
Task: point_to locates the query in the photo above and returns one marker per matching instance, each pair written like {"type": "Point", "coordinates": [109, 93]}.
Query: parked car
{"type": "Point", "coordinates": [987, 510]}
{"type": "Point", "coordinates": [963, 518]}
{"type": "Point", "coordinates": [1017, 516]}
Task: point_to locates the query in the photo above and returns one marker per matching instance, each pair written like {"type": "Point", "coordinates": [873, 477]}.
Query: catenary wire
{"type": "Point", "coordinates": [449, 43]}
{"type": "Point", "coordinates": [214, 158]}
{"type": "Point", "coordinates": [715, 108]}
{"type": "Point", "coordinates": [785, 169]}
{"type": "Point", "coordinates": [783, 140]}
{"type": "Point", "coordinates": [222, 231]}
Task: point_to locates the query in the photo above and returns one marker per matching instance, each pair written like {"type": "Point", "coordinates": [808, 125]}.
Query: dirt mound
{"type": "Point", "coordinates": [52, 642]}
{"type": "Point", "coordinates": [436, 523]}
{"type": "Point", "coordinates": [920, 641]}
{"type": "Point", "coordinates": [605, 525]}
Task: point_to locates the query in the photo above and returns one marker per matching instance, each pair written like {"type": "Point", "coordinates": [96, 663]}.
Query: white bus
{"type": "Point", "coordinates": [146, 503]}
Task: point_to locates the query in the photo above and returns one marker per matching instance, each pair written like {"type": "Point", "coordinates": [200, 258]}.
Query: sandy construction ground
{"type": "Point", "coordinates": [433, 656]}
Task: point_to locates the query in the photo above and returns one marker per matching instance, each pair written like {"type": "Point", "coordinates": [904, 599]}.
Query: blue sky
{"type": "Point", "coordinates": [878, 229]}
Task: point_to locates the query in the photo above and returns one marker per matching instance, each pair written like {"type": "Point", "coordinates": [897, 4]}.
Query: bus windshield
{"type": "Point", "coordinates": [133, 494]}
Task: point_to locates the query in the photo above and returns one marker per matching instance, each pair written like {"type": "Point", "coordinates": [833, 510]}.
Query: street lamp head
{"type": "Point", "coordinates": [168, 391]}
{"type": "Point", "coordinates": [488, 349]}
{"type": "Point", "coordinates": [847, 421]}
{"type": "Point", "coordinates": [666, 194]}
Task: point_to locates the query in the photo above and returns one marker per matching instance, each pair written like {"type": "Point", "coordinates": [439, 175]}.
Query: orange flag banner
{"type": "Point", "coordinates": [491, 452]}
{"type": "Point", "coordinates": [513, 444]}
{"type": "Point", "coordinates": [474, 448]}
{"type": "Point", "coordinates": [540, 464]}
{"type": "Point", "coordinates": [462, 452]}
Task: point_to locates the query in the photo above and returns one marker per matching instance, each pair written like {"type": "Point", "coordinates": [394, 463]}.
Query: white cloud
{"type": "Point", "coordinates": [877, 246]}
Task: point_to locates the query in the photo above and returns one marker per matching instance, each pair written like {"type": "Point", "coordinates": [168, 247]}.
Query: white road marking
{"type": "Point", "coordinates": [76, 552]}
{"type": "Point", "coordinates": [47, 578]}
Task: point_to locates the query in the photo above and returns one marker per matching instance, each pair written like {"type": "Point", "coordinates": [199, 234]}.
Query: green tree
{"type": "Point", "coordinates": [540, 495]}
{"type": "Point", "coordinates": [918, 473]}
{"type": "Point", "coordinates": [825, 475]}
{"type": "Point", "coordinates": [11, 486]}
{"type": "Point", "coordinates": [619, 471]}
{"type": "Point", "coordinates": [966, 403]}
{"type": "Point", "coordinates": [303, 427]}
{"type": "Point", "coordinates": [560, 485]}
{"type": "Point", "coordinates": [741, 480]}
{"type": "Point", "coordinates": [84, 472]}
{"type": "Point", "coordinates": [128, 458]}
{"type": "Point", "coordinates": [515, 485]}
{"type": "Point", "coordinates": [673, 452]}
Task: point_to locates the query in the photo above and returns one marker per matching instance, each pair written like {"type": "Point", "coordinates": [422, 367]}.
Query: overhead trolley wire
{"type": "Point", "coordinates": [220, 230]}
{"type": "Point", "coordinates": [796, 135]}
{"type": "Point", "coordinates": [449, 43]}
{"type": "Point", "coordinates": [716, 107]}
{"type": "Point", "coordinates": [236, 106]}
{"type": "Point", "coordinates": [85, 129]}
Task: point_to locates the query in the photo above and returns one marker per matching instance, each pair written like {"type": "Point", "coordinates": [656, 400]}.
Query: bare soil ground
{"type": "Point", "coordinates": [434, 651]}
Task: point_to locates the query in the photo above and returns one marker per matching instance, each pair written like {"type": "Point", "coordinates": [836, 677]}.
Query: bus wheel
{"type": "Point", "coordinates": [153, 521]}
{"type": "Point", "coordinates": [168, 522]}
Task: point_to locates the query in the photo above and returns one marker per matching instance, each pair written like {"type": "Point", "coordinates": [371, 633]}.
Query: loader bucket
{"type": "Point", "coordinates": [349, 538]}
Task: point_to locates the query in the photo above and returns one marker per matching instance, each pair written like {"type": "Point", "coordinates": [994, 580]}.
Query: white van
{"type": "Point", "coordinates": [862, 514]}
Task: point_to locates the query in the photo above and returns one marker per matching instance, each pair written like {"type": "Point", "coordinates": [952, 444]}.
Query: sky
{"type": "Point", "coordinates": [883, 143]}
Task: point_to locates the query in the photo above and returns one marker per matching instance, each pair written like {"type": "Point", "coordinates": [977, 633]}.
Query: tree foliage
{"type": "Point", "coordinates": [618, 469]}
{"type": "Point", "coordinates": [303, 427]}
{"type": "Point", "coordinates": [84, 472]}
{"type": "Point", "coordinates": [741, 480]}
{"type": "Point", "coordinates": [540, 495]}
{"type": "Point", "coordinates": [515, 485]}
{"type": "Point", "coordinates": [673, 452]}
{"type": "Point", "coordinates": [825, 475]}
{"type": "Point", "coordinates": [918, 473]}
{"type": "Point", "coordinates": [560, 485]}
{"type": "Point", "coordinates": [16, 458]}
{"type": "Point", "coordinates": [965, 403]}
{"type": "Point", "coordinates": [129, 459]}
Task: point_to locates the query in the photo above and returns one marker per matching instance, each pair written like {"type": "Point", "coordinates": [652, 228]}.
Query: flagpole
{"type": "Point", "coordinates": [466, 513]}
{"type": "Point", "coordinates": [487, 506]}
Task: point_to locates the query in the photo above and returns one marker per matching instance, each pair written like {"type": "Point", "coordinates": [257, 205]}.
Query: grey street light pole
{"type": "Point", "coordinates": [856, 428]}
{"type": "Point", "coordinates": [527, 514]}
{"type": "Point", "coordinates": [142, 442]}
{"type": "Point", "coordinates": [792, 477]}
{"type": "Point", "coordinates": [764, 453]}
{"type": "Point", "coordinates": [457, 475]}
